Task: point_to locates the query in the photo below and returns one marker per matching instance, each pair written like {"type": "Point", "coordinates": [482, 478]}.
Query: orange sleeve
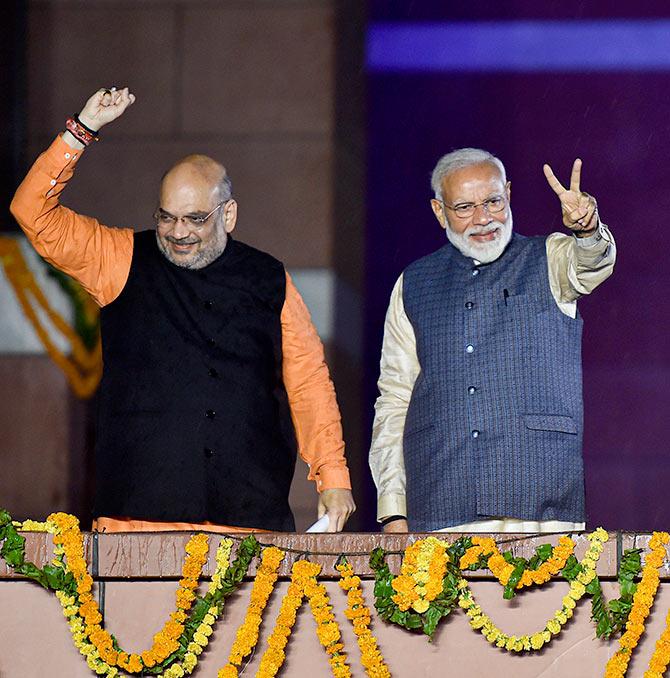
{"type": "Point", "coordinates": [311, 394]}
{"type": "Point", "coordinates": [97, 257]}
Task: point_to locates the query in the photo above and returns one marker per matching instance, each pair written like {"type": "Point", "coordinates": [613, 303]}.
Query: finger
{"type": "Point", "coordinates": [332, 522]}
{"type": "Point", "coordinates": [576, 175]}
{"type": "Point", "coordinates": [556, 186]}
{"type": "Point", "coordinates": [320, 509]}
{"type": "Point", "coordinates": [577, 216]}
{"type": "Point", "coordinates": [587, 220]}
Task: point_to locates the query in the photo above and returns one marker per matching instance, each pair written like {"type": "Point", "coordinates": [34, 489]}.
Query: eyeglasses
{"type": "Point", "coordinates": [195, 220]}
{"type": "Point", "coordinates": [465, 210]}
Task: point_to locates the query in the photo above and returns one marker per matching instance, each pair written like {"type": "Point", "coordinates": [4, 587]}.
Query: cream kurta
{"type": "Point", "coordinates": [576, 267]}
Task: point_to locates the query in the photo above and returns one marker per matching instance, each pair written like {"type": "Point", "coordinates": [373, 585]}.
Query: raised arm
{"type": "Point", "coordinates": [577, 265]}
{"type": "Point", "coordinates": [98, 257]}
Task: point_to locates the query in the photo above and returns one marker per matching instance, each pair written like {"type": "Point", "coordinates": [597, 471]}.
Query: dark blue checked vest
{"type": "Point", "coordinates": [494, 426]}
{"type": "Point", "coordinates": [194, 422]}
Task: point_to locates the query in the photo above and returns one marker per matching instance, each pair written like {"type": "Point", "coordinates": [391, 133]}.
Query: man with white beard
{"type": "Point", "coordinates": [478, 425]}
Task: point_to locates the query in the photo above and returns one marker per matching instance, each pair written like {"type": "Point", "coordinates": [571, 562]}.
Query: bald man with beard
{"type": "Point", "coordinates": [214, 376]}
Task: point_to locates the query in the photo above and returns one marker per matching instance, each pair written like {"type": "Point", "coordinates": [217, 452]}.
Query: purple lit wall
{"type": "Point", "coordinates": [533, 85]}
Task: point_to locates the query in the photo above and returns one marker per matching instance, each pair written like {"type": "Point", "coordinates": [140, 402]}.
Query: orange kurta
{"type": "Point", "coordinates": [99, 258]}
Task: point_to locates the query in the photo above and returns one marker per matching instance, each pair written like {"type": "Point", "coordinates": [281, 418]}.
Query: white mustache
{"type": "Point", "coordinates": [484, 231]}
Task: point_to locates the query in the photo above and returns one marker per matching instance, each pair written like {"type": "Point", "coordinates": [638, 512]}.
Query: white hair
{"type": "Point", "coordinates": [459, 159]}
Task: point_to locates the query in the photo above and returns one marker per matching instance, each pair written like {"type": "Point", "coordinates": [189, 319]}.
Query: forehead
{"type": "Point", "coordinates": [186, 191]}
{"type": "Point", "coordinates": [472, 183]}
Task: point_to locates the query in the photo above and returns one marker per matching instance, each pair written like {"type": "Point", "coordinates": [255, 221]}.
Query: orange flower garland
{"type": "Point", "coordinates": [83, 368]}
{"type": "Point", "coordinates": [502, 570]}
{"type": "Point", "coordinates": [304, 583]}
{"type": "Point", "coordinates": [359, 615]}
{"type": "Point", "coordinates": [643, 599]}
{"type": "Point", "coordinates": [420, 581]}
{"type": "Point", "coordinates": [247, 634]}
{"type": "Point", "coordinates": [661, 657]}
{"type": "Point", "coordinates": [68, 538]}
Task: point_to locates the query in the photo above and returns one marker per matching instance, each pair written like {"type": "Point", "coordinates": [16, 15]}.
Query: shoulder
{"type": "Point", "coordinates": [249, 255]}
{"type": "Point", "coordinates": [428, 262]}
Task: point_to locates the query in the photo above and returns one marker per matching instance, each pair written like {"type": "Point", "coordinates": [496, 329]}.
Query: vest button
{"type": "Point", "coordinates": [213, 373]}
{"type": "Point", "coordinates": [475, 434]}
{"type": "Point", "coordinates": [209, 453]}
{"type": "Point", "coordinates": [211, 342]}
{"type": "Point", "coordinates": [469, 305]}
{"type": "Point", "coordinates": [469, 348]}
{"type": "Point", "coordinates": [475, 271]}
{"type": "Point", "coordinates": [472, 390]}
{"type": "Point", "coordinates": [210, 414]}
{"type": "Point", "coordinates": [209, 305]}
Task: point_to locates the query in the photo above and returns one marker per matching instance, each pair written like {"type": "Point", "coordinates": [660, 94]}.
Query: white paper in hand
{"type": "Point", "coordinates": [321, 525]}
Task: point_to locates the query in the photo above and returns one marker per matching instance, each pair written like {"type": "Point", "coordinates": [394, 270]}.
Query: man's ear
{"type": "Point", "coordinates": [230, 216]}
{"type": "Point", "coordinates": [438, 211]}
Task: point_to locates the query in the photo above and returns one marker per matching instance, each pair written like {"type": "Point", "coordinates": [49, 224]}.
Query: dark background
{"type": "Point", "coordinates": [618, 122]}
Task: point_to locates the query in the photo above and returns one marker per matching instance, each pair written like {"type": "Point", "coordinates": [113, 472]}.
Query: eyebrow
{"type": "Point", "coordinates": [200, 213]}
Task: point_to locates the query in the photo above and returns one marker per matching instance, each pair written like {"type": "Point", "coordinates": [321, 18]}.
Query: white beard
{"type": "Point", "coordinates": [484, 252]}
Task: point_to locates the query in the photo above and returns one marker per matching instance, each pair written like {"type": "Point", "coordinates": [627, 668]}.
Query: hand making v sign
{"type": "Point", "coordinates": [580, 210]}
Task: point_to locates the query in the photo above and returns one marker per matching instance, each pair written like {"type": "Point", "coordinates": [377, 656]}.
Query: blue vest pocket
{"type": "Point", "coordinates": [550, 422]}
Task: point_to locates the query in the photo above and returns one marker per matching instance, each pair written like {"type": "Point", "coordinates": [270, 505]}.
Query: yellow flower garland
{"type": "Point", "coordinates": [247, 635]}
{"type": "Point", "coordinates": [204, 630]}
{"type": "Point", "coordinates": [661, 657]}
{"type": "Point", "coordinates": [83, 369]}
{"type": "Point", "coordinates": [304, 583]}
{"type": "Point", "coordinates": [502, 570]}
{"type": "Point", "coordinates": [69, 538]}
{"type": "Point", "coordinates": [421, 574]}
{"type": "Point", "coordinates": [532, 642]}
{"type": "Point", "coordinates": [359, 615]}
{"type": "Point", "coordinates": [643, 599]}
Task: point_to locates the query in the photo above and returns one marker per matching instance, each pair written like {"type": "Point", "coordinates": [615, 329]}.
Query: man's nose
{"type": "Point", "coordinates": [481, 215]}
{"type": "Point", "coordinates": [180, 229]}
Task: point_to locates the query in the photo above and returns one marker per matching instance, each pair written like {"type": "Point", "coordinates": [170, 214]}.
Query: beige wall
{"type": "Point", "coordinates": [250, 82]}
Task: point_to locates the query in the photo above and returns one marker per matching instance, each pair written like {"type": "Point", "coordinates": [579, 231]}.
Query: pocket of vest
{"type": "Point", "coordinates": [421, 428]}
{"type": "Point", "coordinates": [550, 422]}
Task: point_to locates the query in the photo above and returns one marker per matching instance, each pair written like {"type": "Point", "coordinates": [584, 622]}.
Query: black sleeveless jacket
{"type": "Point", "coordinates": [194, 421]}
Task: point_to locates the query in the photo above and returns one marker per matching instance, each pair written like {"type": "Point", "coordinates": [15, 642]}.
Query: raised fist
{"type": "Point", "coordinates": [105, 106]}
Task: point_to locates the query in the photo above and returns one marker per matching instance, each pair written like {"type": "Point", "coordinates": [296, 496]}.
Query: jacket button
{"type": "Point", "coordinates": [472, 390]}
{"type": "Point", "coordinates": [208, 305]}
{"type": "Point", "coordinates": [210, 414]}
{"type": "Point", "coordinates": [209, 453]}
{"type": "Point", "coordinates": [475, 434]}
{"type": "Point", "coordinates": [213, 373]}
{"type": "Point", "coordinates": [211, 342]}
{"type": "Point", "coordinates": [469, 348]}
{"type": "Point", "coordinates": [469, 305]}
{"type": "Point", "coordinates": [475, 271]}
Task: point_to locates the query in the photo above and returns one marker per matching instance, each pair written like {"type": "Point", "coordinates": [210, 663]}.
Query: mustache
{"type": "Point", "coordinates": [489, 228]}
{"type": "Point", "coordinates": [188, 240]}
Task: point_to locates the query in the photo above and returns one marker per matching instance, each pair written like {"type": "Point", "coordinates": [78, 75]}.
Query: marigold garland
{"type": "Point", "coordinates": [83, 369]}
{"type": "Point", "coordinates": [247, 635]}
{"type": "Point", "coordinates": [643, 599]}
{"type": "Point", "coordinates": [532, 642]}
{"type": "Point", "coordinates": [204, 630]}
{"type": "Point", "coordinates": [68, 537]}
{"type": "Point", "coordinates": [303, 583]}
{"type": "Point", "coordinates": [359, 615]}
{"type": "Point", "coordinates": [502, 569]}
{"type": "Point", "coordinates": [423, 568]}
{"type": "Point", "coordinates": [69, 577]}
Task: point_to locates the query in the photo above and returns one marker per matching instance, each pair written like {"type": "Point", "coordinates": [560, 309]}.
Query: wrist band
{"type": "Point", "coordinates": [86, 127]}
{"type": "Point", "coordinates": [80, 132]}
{"type": "Point", "coordinates": [390, 519]}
